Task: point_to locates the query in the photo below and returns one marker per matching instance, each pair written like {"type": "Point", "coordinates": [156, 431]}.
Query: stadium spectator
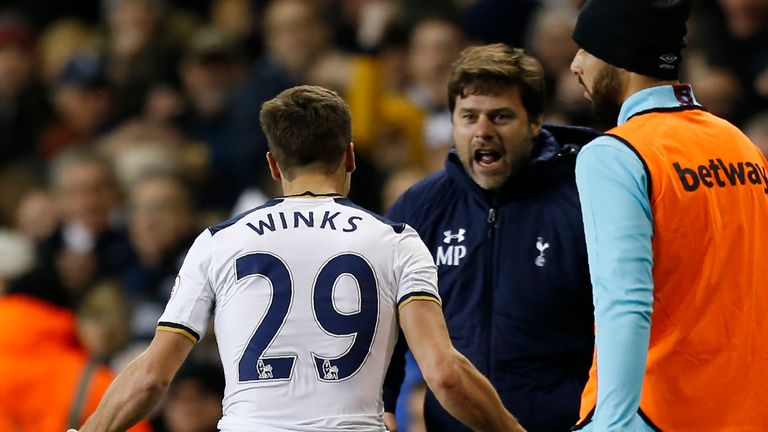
{"type": "Point", "coordinates": [194, 399]}
{"type": "Point", "coordinates": [37, 215]}
{"type": "Point", "coordinates": [733, 36]}
{"type": "Point", "coordinates": [239, 20]}
{"type": "Point", "coordinates": [23, 106]}
{"type": "Point", "coordinates": [60, 41]}
{"type": "Point", "coordinates": [549, 40]}
{"type": "Point", "coordinates": [676, 217]}
{"type": "Point", "coordinates": [16, 180]}
{"type": "Point", "coordinates": [87, 245]}
{"type": "Point", "coordinates": [161, 227]}
{"type": "Point", "coordinates": [435, 43]}
{"type": "Point", "coordinates": [103, 321]}
{"type": "Point", "coordinates": [49, 383]}
{"type": "Point", "coordinates": [398, 99]}
{"type": "Point", "coordinates": [19, 257]}
{"type": "Point", "coordinates": [298, 49]}
{"type": "Point", "coordinates": [212, 69]}
{"type": "Point", "coordinates": [717, 88]}
{"type": "Point", "coordinates": [501, 21]}
{"type": "Point", "coordinates": [141, 51]}
{"type": "Point", "coordinates": [296, 37]}
{"type": "Point", "coordinates": [83, 103]}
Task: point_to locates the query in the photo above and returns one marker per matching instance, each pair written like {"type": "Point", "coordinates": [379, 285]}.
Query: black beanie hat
{"type": "Point", "coordinates": [642, 36]}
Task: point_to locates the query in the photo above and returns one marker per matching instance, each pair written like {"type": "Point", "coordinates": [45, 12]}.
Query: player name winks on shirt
{"type": "Point", "coordinates": [272, 222]}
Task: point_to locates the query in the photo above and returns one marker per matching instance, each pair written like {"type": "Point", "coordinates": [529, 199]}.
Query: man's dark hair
{"type": "Point", "coordinates": [488, 69]}
{"type": "Point", "coordinates": [307, 127]}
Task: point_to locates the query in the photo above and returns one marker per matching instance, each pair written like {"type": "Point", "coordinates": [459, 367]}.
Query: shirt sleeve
{"type": "Point", "coordinates": [618, 225]}
{"type": "Point", "coordinates": [189, 309]}
{"type": "Point", "coordinates": [415, 270]}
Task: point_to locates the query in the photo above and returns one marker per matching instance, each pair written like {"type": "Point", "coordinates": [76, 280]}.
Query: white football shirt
{"type": "Point", "coordinates": [304, 294]}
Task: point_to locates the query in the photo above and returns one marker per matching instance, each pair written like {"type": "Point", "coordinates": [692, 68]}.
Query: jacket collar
{"type": "Point", "coordinates": [666, 97]}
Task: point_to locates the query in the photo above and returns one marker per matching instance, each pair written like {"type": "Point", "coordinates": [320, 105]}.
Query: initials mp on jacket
{"type": "Point", "coordinates": [451, 254]}
{"type": "Point", "coordinates": [718, 173]}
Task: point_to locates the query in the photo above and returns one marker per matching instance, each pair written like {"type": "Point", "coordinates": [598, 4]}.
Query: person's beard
{"type": "Point", "coordinates": [606, 94]}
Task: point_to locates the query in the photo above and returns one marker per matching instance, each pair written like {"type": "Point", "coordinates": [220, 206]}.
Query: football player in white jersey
{"type": "Point", "coordinates": [308, 293]}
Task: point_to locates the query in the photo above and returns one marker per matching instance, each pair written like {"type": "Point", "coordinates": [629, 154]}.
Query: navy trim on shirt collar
{"type": "Point", "coordinates": [229, 222]}
{"type": "Point", "coordinates": [397, 227]}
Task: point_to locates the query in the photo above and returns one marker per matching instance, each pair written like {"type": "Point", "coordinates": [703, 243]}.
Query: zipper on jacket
{"type": "Point", "coordinates": [490, 271]}
{"type": "Point", "coordinates": [491, 219]}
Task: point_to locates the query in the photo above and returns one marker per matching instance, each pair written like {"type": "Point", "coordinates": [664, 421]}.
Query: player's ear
{"type": "Point", "coordinates": [349, 158]}
{"type": "Point", "coordinates": [273, 168]}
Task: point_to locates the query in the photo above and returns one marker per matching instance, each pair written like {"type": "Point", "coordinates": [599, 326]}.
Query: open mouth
{"type": "Point", "coordinates": [486, 157]}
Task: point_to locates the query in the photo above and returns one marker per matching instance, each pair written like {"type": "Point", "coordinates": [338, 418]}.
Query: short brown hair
{"type": "Point", "coordinates": [307, 127]}
{"type": "Point", "coordinates": [81, 155]}
{"type": "Point", "coordinates": [482, 70]}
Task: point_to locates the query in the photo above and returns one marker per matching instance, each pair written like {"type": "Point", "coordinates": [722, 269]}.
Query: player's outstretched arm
{"type": "Point", "coordinates": [459, 387]}
{"type": "Point", "coordinates": [142, 383]}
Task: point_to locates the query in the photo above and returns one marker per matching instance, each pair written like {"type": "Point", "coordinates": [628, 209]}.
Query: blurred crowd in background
{"type": "Point", "coordinates": [127, 126]}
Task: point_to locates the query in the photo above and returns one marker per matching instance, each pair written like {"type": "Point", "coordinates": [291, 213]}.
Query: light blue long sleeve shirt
{"type": "Point", "coordinates": [618, 223]}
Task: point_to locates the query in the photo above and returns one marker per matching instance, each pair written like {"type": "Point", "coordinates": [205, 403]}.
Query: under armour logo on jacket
{"type": "Point", "coordinates": [541, 246]}
{"type": "Point", "coordinates": [450, 236]}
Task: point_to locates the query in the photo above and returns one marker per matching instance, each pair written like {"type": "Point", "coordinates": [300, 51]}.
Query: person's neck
{"type": "Point", "coordinates": [636, 82]}
{"type": "Point", "coordinates": [315, 184]}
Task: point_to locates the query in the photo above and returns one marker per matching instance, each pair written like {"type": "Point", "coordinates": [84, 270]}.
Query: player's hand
{"type": "Point", "coordinates": [389, 422]}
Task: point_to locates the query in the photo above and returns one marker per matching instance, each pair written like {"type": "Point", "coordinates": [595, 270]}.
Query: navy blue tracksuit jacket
{"type": "Point", "coordinates": [514, 280]}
